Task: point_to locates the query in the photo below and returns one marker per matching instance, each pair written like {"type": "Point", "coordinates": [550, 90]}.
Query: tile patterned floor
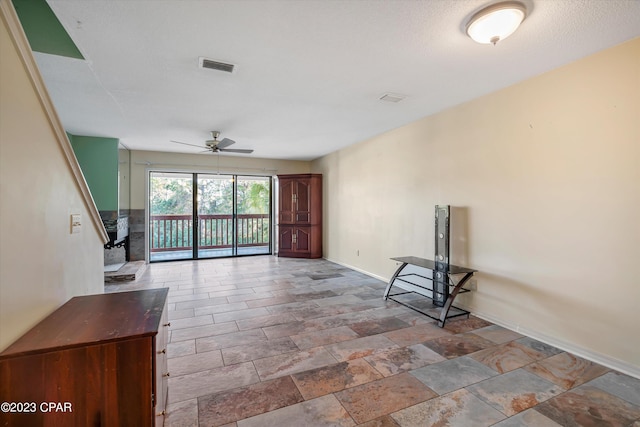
{"type": "Point", "coordinates": [265, 341]}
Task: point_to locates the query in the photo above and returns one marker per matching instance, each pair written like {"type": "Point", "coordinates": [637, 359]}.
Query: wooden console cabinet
{"type": "Point", "coordinates": [100, 358]}
{"type": "Point", "coordinates": [300, 216]}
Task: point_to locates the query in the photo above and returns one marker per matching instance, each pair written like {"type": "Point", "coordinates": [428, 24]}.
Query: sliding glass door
{"type": "Point", "coordinates": [196, 215]}
{"type": "Point", "coordinates": [170, 216]}
{"type": "Point", "coordinates": [253, 215]}
{"type": "Point", "coordinates": [215, 216]}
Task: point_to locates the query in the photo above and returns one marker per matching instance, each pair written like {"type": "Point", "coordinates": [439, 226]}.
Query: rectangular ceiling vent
{"type": "Point", "coordinates": [392, 97]}
{"type": "Point", "coordinates": [215, 65]}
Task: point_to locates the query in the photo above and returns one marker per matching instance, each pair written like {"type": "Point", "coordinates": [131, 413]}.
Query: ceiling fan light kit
{"type": "Point", "coordinates": [496, 22]}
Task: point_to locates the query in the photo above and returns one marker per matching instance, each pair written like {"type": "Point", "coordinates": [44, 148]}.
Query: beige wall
{"type": "Point", "coordinates": [142, 161]}
{"type": "Point", "coordinates": [42, 265]}
{"type": "Point", "coordinates": [545, 180]}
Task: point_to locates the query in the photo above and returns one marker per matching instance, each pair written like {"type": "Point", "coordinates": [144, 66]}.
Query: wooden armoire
{"type": "Point", "coordinates": [300, 216]}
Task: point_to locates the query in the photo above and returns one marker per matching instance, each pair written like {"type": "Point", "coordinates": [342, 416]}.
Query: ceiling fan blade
{"type": "Point", "coordinates": [184, 143]}
{"type": "Point", "coordinates": [225, 142]}
{"type": "Point", "coordinates": [235, 150]}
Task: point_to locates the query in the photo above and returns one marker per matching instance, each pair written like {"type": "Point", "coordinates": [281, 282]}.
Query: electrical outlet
{"type": "Point", "coordinates": [76, 223]}
{"type": "Point", "coordinates": [358, 252]}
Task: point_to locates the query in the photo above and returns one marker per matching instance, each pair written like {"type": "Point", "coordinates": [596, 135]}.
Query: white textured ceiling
{"type": "Point", "coordinates": [309, 74]}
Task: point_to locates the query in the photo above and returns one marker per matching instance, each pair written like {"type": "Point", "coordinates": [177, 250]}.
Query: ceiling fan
{"type": "Point", "coordinates": [215, 146]}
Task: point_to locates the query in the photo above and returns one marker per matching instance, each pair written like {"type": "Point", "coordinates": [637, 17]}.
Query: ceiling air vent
{"type": "Point", "coordinates": [215, 65]}
{"type": "Point", "coordinates": [392, 97]}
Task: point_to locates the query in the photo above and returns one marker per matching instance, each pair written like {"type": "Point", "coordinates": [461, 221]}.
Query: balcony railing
{"type": "Point", "coordinates": [175, 232]}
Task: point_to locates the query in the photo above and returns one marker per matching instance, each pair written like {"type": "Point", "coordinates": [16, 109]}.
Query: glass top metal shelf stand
{"type": "Point", "coordinates": [411, 287]}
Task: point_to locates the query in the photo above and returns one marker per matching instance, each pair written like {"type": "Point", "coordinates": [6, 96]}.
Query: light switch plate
{"type": "Point", "coordinates": [76, 223]}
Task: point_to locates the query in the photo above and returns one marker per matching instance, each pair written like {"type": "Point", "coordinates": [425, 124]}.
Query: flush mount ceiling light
{"type": "Point", "coordinates": [496, 22]}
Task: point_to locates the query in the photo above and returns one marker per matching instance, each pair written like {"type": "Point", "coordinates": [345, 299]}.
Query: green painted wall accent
{"type": "Point", "coordinates": [44, 32]}
{"type": "Point", "coordinates": [98, 158]}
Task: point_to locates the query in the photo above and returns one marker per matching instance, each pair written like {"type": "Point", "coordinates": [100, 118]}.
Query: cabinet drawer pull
{"type": "Point", "coordinates": [166, 375]}
{"type": "Point", "coordinates": [163, 413]}
{"type": "Point", "coordinates": [163, 351]}
{"type": "Point", "coordinates": [167, 324]}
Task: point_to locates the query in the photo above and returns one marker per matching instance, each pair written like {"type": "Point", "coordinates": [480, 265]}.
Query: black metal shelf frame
{"type": "Point", "coordinates": [452, 289]}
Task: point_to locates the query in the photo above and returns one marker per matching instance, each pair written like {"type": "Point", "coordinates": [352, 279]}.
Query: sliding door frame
{"type": "Point", "coordinates": [196, 222]}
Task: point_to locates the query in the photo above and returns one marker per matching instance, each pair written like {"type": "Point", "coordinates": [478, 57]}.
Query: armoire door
{"type": "Point", "coordinates": [302, 239]}
{"type": "Point", "coordinates": [302, 199]}
{"type": "Point", "coordinates": [286, 208]}
{"type": "Point", "coordinates": [285, 239]}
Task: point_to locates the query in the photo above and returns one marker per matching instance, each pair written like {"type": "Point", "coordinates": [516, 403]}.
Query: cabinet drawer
{"type": "Point", "coordinates": [161, 370]}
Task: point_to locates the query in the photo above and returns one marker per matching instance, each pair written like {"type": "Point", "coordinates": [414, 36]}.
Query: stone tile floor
{"type": "Point", "coordinates": [265, 341]}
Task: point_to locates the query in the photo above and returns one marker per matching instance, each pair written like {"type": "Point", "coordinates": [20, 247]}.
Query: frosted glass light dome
{"type": "Point", "coordinates": [496, 22]}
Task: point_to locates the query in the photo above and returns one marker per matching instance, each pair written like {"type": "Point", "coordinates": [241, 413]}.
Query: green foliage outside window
{"type": "Point", "coordinates": [173, 196]}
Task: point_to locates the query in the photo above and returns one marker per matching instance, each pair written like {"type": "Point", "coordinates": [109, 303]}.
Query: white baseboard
{"type": "Point", "coordinates": [359, 270]}
{"type": "Point", "coordinates": [602, 359]}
